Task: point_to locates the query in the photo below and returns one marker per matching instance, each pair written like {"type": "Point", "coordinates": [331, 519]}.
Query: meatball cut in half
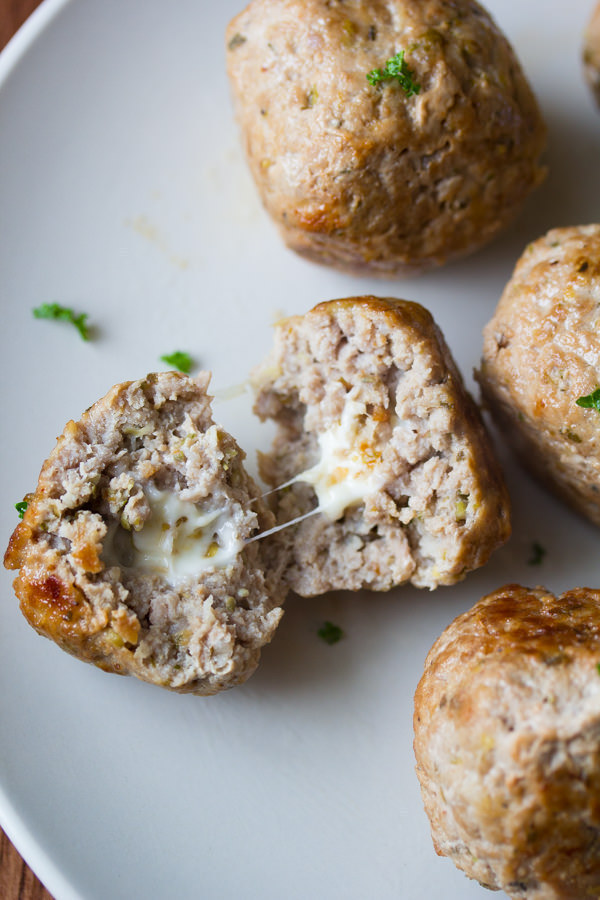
{"type": "Point", "coordinates": [591, 53]}
{"type": "Point", "coordinates": [507, 743]}
{"type": "Point", "coordinates": [425, 159]}
{"type": "Point", "coordinates": [379, 443]}
{"type": "Point", "coordinates": [540, 371]}
{"type": "Point", "coordinates": [132, 552]}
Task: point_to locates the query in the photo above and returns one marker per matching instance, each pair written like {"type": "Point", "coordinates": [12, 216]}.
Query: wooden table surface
{"type": "Point", "coordinates": [17, 881]}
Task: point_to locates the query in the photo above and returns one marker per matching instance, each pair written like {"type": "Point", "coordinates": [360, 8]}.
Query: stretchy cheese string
{"type": "Point", "coordinates": [345, 473]}
{"type": "Point", "coordinates": [276, 528]}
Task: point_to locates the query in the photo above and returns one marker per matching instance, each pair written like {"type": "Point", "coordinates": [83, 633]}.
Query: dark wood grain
{"type": "Point", "coordinates": [12, 15]}
{"type": "Point", "coordinates": [17, 881]}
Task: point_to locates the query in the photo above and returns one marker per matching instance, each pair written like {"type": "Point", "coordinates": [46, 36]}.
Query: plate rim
{"type": "Point", "coordinates": [11, 822]}
{"type": "Point", "coordinates": [27, 34]}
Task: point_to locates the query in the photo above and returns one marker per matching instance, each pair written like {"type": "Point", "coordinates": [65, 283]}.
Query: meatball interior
{"type": "Point", "coordinates": [132, 552]}
{"type": "Point", "coordinates": [379, 439]}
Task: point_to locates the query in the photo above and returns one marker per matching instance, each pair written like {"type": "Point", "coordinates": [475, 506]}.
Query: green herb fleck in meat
{"type": "Point", "coordinates": [236, 41]}
{"type": "Point", "coordinates": [20, 507]}
{"type": "Point", "coordinates": [590, 401]}
{"type": "Point", "coordinates": [396, 68]}
{"type": "Point", "coordinates": [330, 633]}
{"type": "Point", "coordinates": [178, 360]}
{"type": "Point", "coordinates": [64, 314]}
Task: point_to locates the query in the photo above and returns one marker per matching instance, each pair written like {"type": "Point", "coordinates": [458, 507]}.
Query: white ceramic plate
{"type": "Point", "coordinates": [123, 193]}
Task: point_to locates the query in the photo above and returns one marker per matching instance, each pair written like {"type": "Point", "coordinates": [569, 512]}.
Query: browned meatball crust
{"type": "Point", "coordinates": [365, 177]}
{"type": "Point", "coordinates": [132, 550]}
{"type": "Point", "coordinates": [591, 53]}
{"type": "Point", "coordinates": [507, 743]}
{"type": "Point", "coordinates": [541, 354]}
{"type": "Point", "coordinates": [377, 433]}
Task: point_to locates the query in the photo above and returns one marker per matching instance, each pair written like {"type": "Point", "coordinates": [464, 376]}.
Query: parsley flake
{"type": "Point", "coordinates": [20, 507]}
{"type": "Point", "coordinates": [64, 314]}
{"type": "Point", "coordinates": [590, 401]}
{"type": "Point", "coordinates": [598, 668]}
{"type": "Point", "coordinates": [178, 360]}
{"type": "Point", "coordinates": [537, 554]}
{"type": "Point", "coordinates": [396, 68]}
{"type": "Point", "coordinates": [330, 633]}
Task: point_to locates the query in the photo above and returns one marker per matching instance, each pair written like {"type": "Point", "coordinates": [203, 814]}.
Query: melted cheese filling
{"type": "Point", "coordinates": [346, 472]}
{"type": "Point", "coordinates": [178, 539]}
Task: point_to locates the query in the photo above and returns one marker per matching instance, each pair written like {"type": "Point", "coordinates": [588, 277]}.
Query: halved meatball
{"type": "Point", "coordinates": [380, 446]}
{"type": "Point", "coordinates": [394, 176]}
{"type": "Point", "coordinates": [507, 742]}
{"type": "Point", "coordinates": [132, 551]}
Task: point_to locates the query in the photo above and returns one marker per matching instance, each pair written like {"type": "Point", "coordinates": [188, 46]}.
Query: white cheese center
{"type": "Point", "coordinates": [346, 472]}
{"type": "Point", "coordinates": [180, 539]}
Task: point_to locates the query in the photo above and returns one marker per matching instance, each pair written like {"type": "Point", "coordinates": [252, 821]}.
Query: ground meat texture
{"type": "Point", "coordinates": [507, 742]}
{"type": "Point", "coordinates": [541, 353]}
{"type": "Point", "coordinates": [591, 53]}
{"type": "Point", "coordinates": [376, 430]}
{"type": "Point", "coordinates": [364, 177]}
{"type": "Point", "coordinates": [132, 550]}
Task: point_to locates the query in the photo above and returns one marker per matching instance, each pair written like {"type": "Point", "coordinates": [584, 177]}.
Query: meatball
{"type": "Point", "coordinates": [133, 550]}
{"type": "Point", "coordinates": [379, 447]}
{"type": "Point", "coordinates": [507, 742]}
{"type": "Point", "coordinates": [591, 53]}
{"type": "Point", "coordinates": [392, 177]}
{"type": "Point", "coordinates": [541, 359]}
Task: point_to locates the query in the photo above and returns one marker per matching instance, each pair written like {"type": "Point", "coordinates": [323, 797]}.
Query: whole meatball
{"type": "Point", "coordinates": [391, 177]}
{"type": "Point", "coordinates": [591, 53]}
{"type": "Point", "coordinates": [507, 742]}
{"type": "Point", "coordinates": [541, 355]}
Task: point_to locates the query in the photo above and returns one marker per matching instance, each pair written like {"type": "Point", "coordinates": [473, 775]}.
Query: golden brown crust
{"type": "Point", "coordinates": [516, 622]}
{"type": "Point", "coordinates": [507, 742]}
{"type": "Point", "coordinates": [541, 353]}
{"type": "Point", "coordinates": [399, 313]}
{"type": "Point", "coordinates": [365, 178]}
{"type": "Point", "coordinates": [83, 581]}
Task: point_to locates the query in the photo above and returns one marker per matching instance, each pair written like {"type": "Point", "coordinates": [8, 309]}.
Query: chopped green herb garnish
{"type": "Point", "coordinates": [178, 360]}
{"type": "Point", "coordinates": [396, 68]}
{"type": "Point", "coordinates": [20, 507]}
{"type": "Point", "coordinates": [65, 314]}
{"type": "Point", "coordinates": [590, 401]}
{"type": "Point", "coordinates": [236, 41]}
{"type": "Point", "coordinates": [598, 668]}
{"type": "Point", "coordinates": [537, 554]}
{"type": "Point", "coordinates": [330, 633]}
